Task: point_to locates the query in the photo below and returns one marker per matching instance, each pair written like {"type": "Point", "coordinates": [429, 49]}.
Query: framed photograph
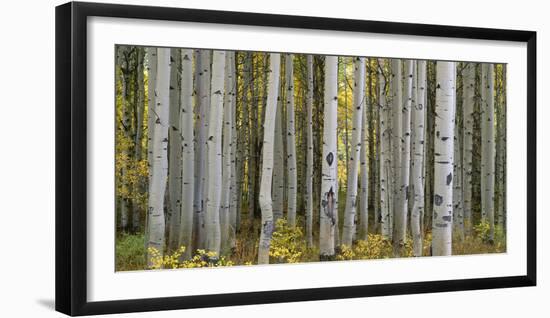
{"type": "Point", "coordinates": [211, 158]}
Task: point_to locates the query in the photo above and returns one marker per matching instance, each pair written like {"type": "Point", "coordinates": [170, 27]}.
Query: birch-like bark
{"type": "Point", "coordinates": [400, 217]}
{"type": "Point", "coordinates": [278, 191]}
{"type": "Point", "coordinates": [235, 193]}
{"type": "Point", "coordinates": [125, 126]}
{"type": "Point", "coordinates": [396, 139]}
{"type": "Point", "coordinates": [138, 141]}
{"type": "Point", "coordinates": [309, 154]}
{"type": "Point", "coordinates": [159, 163]}
{"type": "Point", "coordinates": [357, 120]}
{"type": "Point", "coordinates": [151, 116]}
{"type": "Point", "coordinates": [328, 208]}
{"type": "Point", "coordinates": [445, 105]}
{"type": "Point", "coordinates": [458, 216]}
{"type": "Point", "coordinates": [417, 158]}
{"type": "Point", "coordinates": [227, 151]}
{"type": "Point", "coordinates": [252, 136]}
{"type": "Point", "coordinates": [267, 159]}
{"type": "Point", "coordinates": [385, 153]}
{"type": "Point", "coordinates": [174, 153]}
{"type": "Point", "coordinates": [214, 152]}
{"type": "Point", "coordinates": [188, 153]}
{"type": "Point", "coordinates": [488, 147]}
{"type": "Point", "coordinates": [290, 141]}
{"type": "Point", "coordinates": [468, 102]}
{"type": "Point", "coordinates": [202, 103]}
{"type": "Point", "coordinates": [364, 162]}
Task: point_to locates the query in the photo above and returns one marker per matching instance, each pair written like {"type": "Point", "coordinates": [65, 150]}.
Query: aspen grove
{"type": "Point", "coordinates": [238, 158]}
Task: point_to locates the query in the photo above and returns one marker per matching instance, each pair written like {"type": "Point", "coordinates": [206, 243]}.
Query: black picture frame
{"type": "Point", "coordinates": [71, 157]}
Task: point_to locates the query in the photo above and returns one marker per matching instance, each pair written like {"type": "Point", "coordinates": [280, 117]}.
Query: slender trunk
{"type": "Point", "coordinates": [122, 56]}
{"type": "Point", "coordinates": [364, 163]}
{"type": "Point", "coordinates": [252, 137]}
{"type": "Point", "coordinates": [188, 153]}
{"type": "Point", "coordinates": [468, 102]}
{"type": "Point", "coordinates": [417, 159]}
{"type": "Point", "coordinates": [400, 218]}
{"type": "Point", "coordinates": [290, 141]}
{"type": "Point", "coordinates": [138, 141]}
{"type": "Point", "coordinates": [396, 139]}
{"type": "Point", "coordinates": [214, 152]}
{"type": "Point", "coordinates": [202, 94]}
{"type": "Point", "coordinates": [278, 191]}
{"type": "Point", "coordinates": [227, 151]}
{"type": "Point", "coordinates": [328, 209]}
{"type": "Point", "coordinates": [357, 119]}
{"type": "Point", "coordinates": [458, 216]}
{"type": "Point", "coordinates": [309, 154]}
{"type": "Point", "coordinates": [443, 168]}
{"type": "Point", "coordinates": [385, 154]}
{"type": "Point", "coordinates": [267, 160]}
{"type": "Point", "coordinates": [488, 148]}
{"type": "Point", "coordinates": [174, 153]}
{"type": "Point", "coordinates": [159, 165]}
{"type": "Point", "coordinates": [235, 193]}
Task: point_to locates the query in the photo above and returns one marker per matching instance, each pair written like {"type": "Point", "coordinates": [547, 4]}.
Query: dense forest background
{"type": "Point", "coordinates": [229, 158]}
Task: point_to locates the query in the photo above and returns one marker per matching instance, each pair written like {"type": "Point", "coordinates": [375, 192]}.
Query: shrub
{"type": "Point", "coordinates": [202, 258]}
{"type": "Point", "coordinates": [287, 243]}
{"type": "Point", "coordinates": [130, 252]}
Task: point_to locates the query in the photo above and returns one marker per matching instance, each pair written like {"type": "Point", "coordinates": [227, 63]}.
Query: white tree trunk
{"type": "Point", "coordinates": [122, 53]}
{"type": "Point", "coordinates": [188, 152]}
{"type": "Point", "coordinates": [174, 159]}
{"type": "Point", "coordinates": [468, 90]}
{"type": "Point", "coordinates": [235, 194]}
{"type": "Point", "coordinates": [278, 191]}
{"type": "Point", "coordinates": [151, 117]}
{"type": "Point", "coordinates": [364, 163]}
{"type": "Point", "coordinates": [309, 154]}
{"type": "Point", "coordinates": [267, 159]}
{"type": "Point", "coordinates": [400, 218]}
{"type": "Point", "coordinates": [328, 211]}
{"type": "Point", "coordinates": [396, 140]}
{"type": "Point", "coordinates": [227, 151]}
{"type": "Point", "coordinates": [290, 141]}
{"type": "Point", "coordinates": [202, 80]}
{"type": "Point", "coordinates": [385, 154]}
{"type": "Point", "coordinates": [214, 151]}
{"type": "Point", "coordinates": [445, 105]}
{"type": "Point", "coordinates": [458, 216]}
{"type": "Point", "coordinates": [417, 158]}
{"type": "Point", "coordinates": [159, 165]}
{"type": "Point", "coordinates": [357, 120]}
{"type": "Point", "coordinates": [488, 147]}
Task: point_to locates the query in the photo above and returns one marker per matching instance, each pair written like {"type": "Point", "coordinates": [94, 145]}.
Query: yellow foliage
{"type": "Point", "coordinates": [202, 258]}
{"type": "Point", "coordinates": [287, 243]}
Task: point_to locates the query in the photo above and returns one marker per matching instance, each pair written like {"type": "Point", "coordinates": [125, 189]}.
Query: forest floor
{"type": "Point", "coordinates": [289, 246]}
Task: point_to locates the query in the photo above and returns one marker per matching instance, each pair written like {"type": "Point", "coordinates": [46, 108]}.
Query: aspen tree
{"type": "Point", "coordinates": [159, 165]}
{"type": "Point", "coordinates": [309, 155]}
{"type": "Point", "coordinates": [400, 217]}
{"type": "Point", "coordinates": [488, 147]}
{"type": "Point", "coordinates": [267, 159]}
{"type": "Point", "coordinates": [188, 152]}
{"type": "Point", "coordinates": [385, 153]}
{"type": "Point", "coordinates": [417, 159]}
{"type": "Point", "coordinates": [290, 141]}
{"type": "Point", "coordinates": [468, 102]}
{"type": "Point", "coordinates": [227, 151]}
{"type": "Point", "coordinates": [357, 119]}
{"type": "Point", "coordinates": [329, 182]}
{"type": "Point", "coordinates": [443, 164]}
{"type": "Point", "coordinates": [174, 153]}
{"type": "Point", "coordinates": [214, 154]}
